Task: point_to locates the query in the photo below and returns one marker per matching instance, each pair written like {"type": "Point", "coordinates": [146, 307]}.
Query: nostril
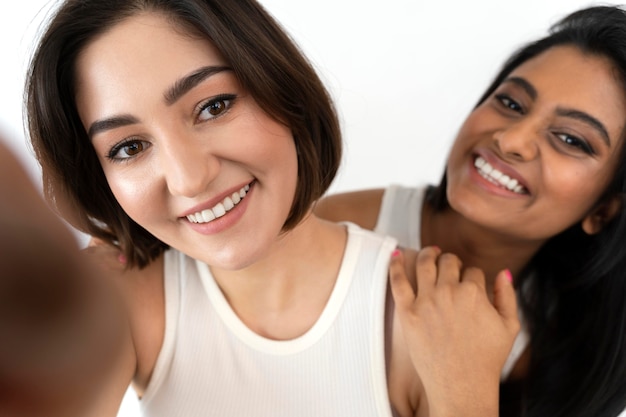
{"type": "Point", "coordinates": [518, 145]}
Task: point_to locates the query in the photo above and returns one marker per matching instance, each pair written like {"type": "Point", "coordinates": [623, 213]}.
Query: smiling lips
{"type": "Point", "coordinates": [220, 209]}
{"type": "Point", "coordinates": [498, 178]}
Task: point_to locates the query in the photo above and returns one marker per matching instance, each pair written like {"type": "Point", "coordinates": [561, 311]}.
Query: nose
{"type": "Point", "coordinates": [187, 165]}
{"type": "Point", "coordinates": [519, 140]}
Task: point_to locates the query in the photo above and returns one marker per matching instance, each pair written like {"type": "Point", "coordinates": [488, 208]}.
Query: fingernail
{"type": "Point", "coordinates": [395, 253]}
{"type": "Point", "coordinates": [437, 247]}
{"type": "Point", "coordinates": [121, 258]}
{"type": "Point", "coordinates": [509, 276]}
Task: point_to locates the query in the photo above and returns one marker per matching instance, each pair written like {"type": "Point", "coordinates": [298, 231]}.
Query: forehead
{"type": "Point", "coordinates": [139, 57]}
{"type": "Point", "coordinates": [147, 35]}
{"type": "Point", "coordinates": [567, 77]}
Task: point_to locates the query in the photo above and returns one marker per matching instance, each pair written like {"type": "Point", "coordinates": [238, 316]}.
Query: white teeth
{"type": "Point", "coordinates": [504, 179]}
{"type": "Point", "coordinates": [228, 203]}
{"type": "Point", "coordinates": [497, 177]}
{"type": "Point", "coordinates": [207, 215]}
{"type": "Point", "coordinates": [220, 209]}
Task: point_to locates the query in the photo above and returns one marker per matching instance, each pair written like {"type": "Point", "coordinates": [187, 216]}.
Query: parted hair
{"type": "Point", "coordinates": [265, 60]}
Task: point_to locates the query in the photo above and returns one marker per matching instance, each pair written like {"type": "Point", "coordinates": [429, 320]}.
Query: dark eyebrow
{"type": "Point", "coordinates": [114, 122]}
{"type": "Point", "coordinates": [588, 119]}
{"type": "Point", "coordinates": [179, 88]}
{"type": "Point", "coordinates": [574, 114]}
{"type": "Point", "coordinates": [186, 83]}
{"type": "Point", "coordinates": [525, 85]}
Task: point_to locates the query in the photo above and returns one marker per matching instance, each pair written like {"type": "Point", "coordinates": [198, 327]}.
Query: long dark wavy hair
{"type": "Point", "coordinates": [574, 298]}
{"type": "Point", "coordinates": [265, 60]}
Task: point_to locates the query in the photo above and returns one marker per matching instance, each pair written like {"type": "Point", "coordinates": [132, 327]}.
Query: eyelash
{"type": "Point", "coordinates": [578, 143]}
{"type": "Point", "coordinates": [113, 154]}
{"type": "Point", "coordinates": [507, 102]}
{"type": "Point", "coordinates": [225, 101]}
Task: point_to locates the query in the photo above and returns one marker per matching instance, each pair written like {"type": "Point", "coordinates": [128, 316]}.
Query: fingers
{"type": "Point", "coordinates": [401, 289]}
{"type": "Point", "coordinates": [505, 300]}
{"type": "Point", "coordinates": [449, 269]}
{"type": "Point", "coordinates": [94, 241]}
{"type": "Point", "coordinates": [426, 269]}
{"type": "Point", "coordinates": [475, 276]}
{"type": "Point", "coordinates": [97, 245]}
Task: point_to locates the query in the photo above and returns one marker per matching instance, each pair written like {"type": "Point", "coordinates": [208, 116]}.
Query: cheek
{"type": "Point", "coordinates": [575, 190]}
{"type": "Point", "coordinates": [132, 192]}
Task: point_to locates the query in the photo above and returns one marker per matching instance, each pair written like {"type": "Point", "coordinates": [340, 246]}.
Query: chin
{"type": "Point", "coordinates": [230, 260]}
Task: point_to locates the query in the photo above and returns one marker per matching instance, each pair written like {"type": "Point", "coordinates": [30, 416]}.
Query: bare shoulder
{"type": "Point", "coordinates": [360, 207]}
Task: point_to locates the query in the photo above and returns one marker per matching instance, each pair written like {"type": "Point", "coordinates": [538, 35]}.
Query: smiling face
{"type": "Point", "coordinates": [188, 154]}
{"type": "Point", "coordinates": [536, 155]}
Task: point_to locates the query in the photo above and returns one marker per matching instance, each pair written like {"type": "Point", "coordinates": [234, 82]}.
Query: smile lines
{"type": "Point", "coordinates": [496, 177]}
{"type": "Point", "coordinates": [220, 209]}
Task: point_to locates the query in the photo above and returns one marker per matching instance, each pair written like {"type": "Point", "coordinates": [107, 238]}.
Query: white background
{"type": "Point", "coordinates": [404, 73]}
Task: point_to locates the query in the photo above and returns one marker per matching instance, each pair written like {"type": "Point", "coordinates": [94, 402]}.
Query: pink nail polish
{"type": "Point", "coordinates": [395, 253]}
{"type": "Point", "coordinates": [121, 258]}
{"type": "Point", "coordinates": [509, 276]}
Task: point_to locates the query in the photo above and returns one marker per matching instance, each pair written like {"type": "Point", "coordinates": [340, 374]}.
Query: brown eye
{"type": "Point", "coordinates": [127, 149]}
{"type": "Point", "coordinates": [215, 107]}
{"type": "Point", "coordinates": [575, 143]}
{"type": "Point", "coordinates": [133, 148]}
{"type": "Point", "coordinates": [508, 103]}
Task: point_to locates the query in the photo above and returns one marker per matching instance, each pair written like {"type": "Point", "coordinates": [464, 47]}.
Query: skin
{"type": "Point", "coordinates": [183, 157]}
{"type": "Point", "coordinates": [59, 322]}
{"type": "Point", "coordinates": [532, 129]}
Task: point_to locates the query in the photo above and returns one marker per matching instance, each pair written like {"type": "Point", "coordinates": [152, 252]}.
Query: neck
{"type": "Point", "coordinates": [476, 245]}
{"type": "Point", "coordinates": [282, 295]}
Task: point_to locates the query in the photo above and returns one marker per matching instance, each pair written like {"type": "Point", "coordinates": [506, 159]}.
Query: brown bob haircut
{"type": "Point", "coordinates": [264, 59]}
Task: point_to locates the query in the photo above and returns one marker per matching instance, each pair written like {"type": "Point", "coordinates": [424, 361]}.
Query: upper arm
{"type": "Point", "coordinates": [359, 207]}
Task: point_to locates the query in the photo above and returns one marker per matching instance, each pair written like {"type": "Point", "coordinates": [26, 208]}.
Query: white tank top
{"type": "Point", "coordinates": [211, 364]}
{"type": "Point", "coordinates": [400, 216]}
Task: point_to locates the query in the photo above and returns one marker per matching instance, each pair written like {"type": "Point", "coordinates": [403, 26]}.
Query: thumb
{"type": "Point", "coordinates": [505, 300]}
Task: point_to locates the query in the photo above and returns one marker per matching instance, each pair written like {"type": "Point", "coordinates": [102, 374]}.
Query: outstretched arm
{"type": "Point", "coordinates": [457, 340]}
{"type": "Point", "coordinates": [63, 330]}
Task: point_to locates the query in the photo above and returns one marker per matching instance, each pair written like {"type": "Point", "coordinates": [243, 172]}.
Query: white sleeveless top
{"type": "Point", "coordinates": [211, 364]}
{"type": "Point", "coordinates": [400, 216]}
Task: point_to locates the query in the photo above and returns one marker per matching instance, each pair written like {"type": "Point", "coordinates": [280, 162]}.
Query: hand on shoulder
{"type": "Point", "coordinates": [457, 339]}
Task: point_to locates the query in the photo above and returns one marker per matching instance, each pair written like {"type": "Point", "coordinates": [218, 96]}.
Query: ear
{"type": "Point", "coordinates": [599, 216]}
